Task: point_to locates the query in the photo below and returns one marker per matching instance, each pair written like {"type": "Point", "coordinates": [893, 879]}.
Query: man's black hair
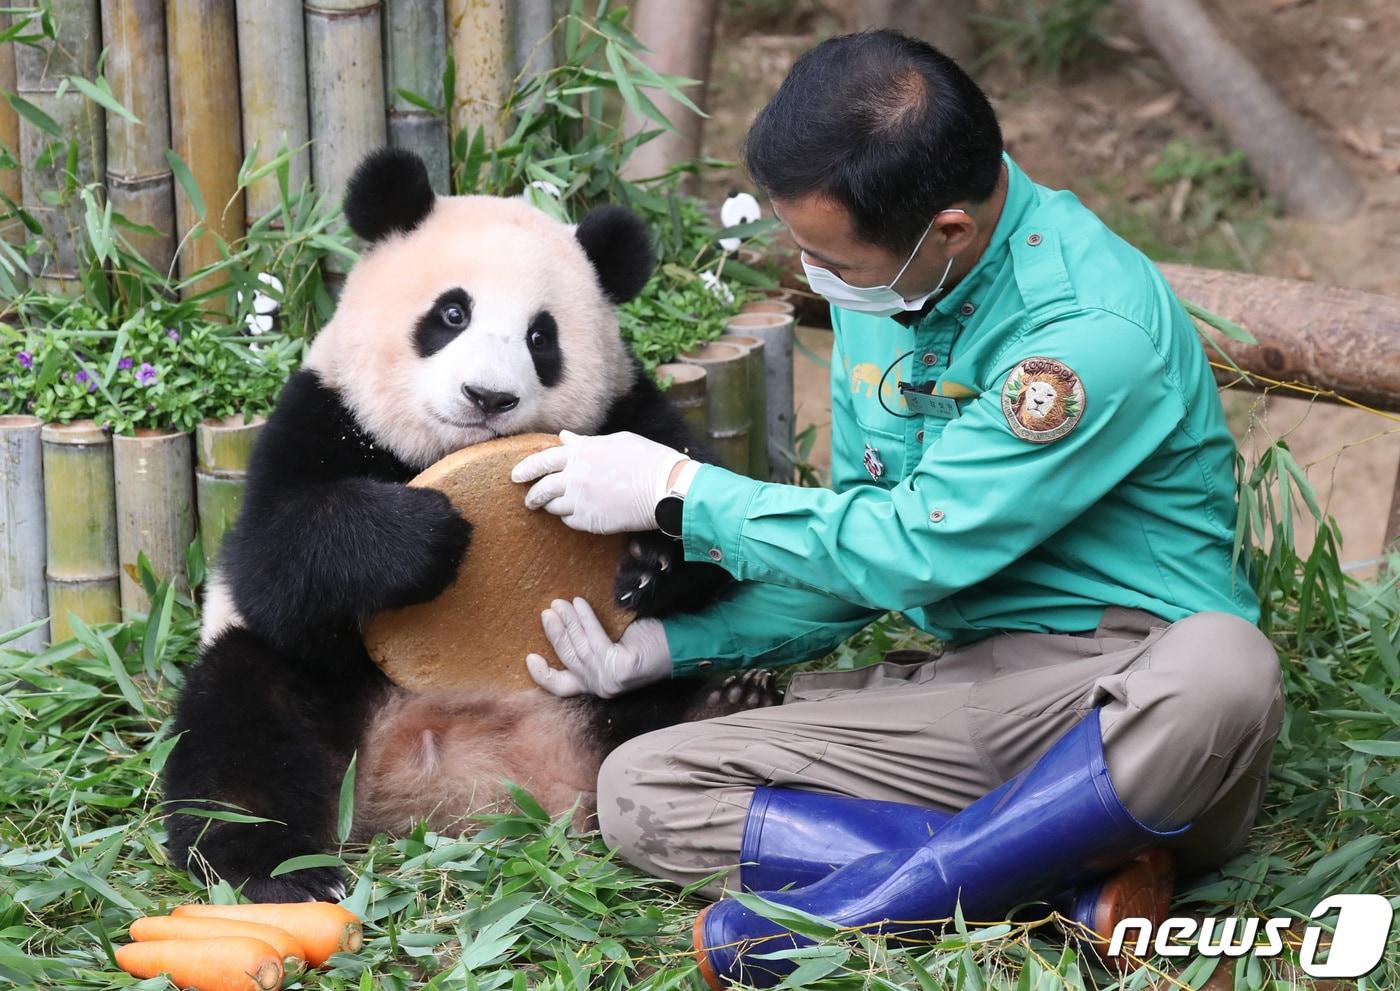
{"type": "Point", "coordinates": [883, 124]}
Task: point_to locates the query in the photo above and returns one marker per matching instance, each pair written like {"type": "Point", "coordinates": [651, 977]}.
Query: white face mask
{"type": "Point", "coordinates": [879, 301]}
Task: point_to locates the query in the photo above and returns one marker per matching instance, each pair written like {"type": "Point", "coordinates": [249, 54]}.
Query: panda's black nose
{"type": "Point", "coordinates": [491, 402]}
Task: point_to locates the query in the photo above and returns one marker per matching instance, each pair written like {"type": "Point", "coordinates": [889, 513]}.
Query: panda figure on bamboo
{"type": "Point", "coordinates": [467, 318]}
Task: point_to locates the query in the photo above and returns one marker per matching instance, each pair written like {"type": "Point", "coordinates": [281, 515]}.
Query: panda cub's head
{"type": "Point", "coordinates": [472, 317]}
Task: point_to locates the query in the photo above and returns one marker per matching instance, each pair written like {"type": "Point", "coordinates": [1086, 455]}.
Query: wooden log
{"type": "Point", "coordinates": [80, 526]}
{"type": "Point", "coordinates": [944, 24]}
{"type": "Point", "coordinates": [140, 184]}
{"type": "Point", "coordinates": [222, 451]}
{"type": "Point", "coordinates": [776, 332]}
{"type": "Point", "coordinates": [272, 89]}
{"type": "Point", "coordinates": [727, 422]}
{"type": "Point", "coordinates": [680, 35]}
{"type": "Point", "coordinates": [345, 62]}
{"type": "Point", "coordinates": [687, 393]}
{"type": "Point", "coordinates": [39, 71]}
{"type": "Point", "coordinates": [1342, 341]}
{"type": "Point", "coordinates": [155, 508]}
{"type": "Point", "coordinates": [202, 39]}
{"type": "Point", "coordinates": [415, 50]}
{"type": "Point", "coordinates": [23, 598]}
{"type": "Point", "coordinates": [479, 35]}
{"type": "Point", "coordinates": [758, 403]}
{"type": "Point", "coordinates": [1293, 164]}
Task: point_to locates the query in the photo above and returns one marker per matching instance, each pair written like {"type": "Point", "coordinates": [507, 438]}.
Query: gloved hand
{"type": "Point", "coordinates": [602, 484]}
{"type": "Point", "coordinates": [595, 664]}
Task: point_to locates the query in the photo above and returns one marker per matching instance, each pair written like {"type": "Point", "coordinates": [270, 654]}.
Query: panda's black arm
{"type": "Point", "coordinates": [330, 555]}
{"type": "Point", "coordinates": [328, 535]}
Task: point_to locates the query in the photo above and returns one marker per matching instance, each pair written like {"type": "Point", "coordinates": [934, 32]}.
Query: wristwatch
{"type": "Point", "coordinates": [671, 506]}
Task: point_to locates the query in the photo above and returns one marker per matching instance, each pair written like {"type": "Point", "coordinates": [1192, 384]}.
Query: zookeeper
{"type": "Point", "coordinates": [1052, 495]}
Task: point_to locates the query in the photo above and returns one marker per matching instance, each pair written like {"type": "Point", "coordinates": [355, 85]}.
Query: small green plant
{"type": "Point", "coordinates": [1041, 36]}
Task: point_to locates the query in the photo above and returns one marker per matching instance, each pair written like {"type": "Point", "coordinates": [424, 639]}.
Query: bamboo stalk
{"type": "Point", "coordinates": [758, 402]}
{"type": "Point", "coordinates": [534, 49]}
{"type": "Point", "coordinates": [775, 330]}
{"type": "Point", "coordinates": [23, 597]}
{"type": "Point", "coordinates": [415, 51]}
{"type": "Point", "coordinates": [12, 230]}
{"type": "Point", "coordinates": [222, 451]}
{"type": "Point", "coordinates": [345, 88]}
{"type": "Point", "coordinates": [38, 73]}
{"type": "Point", "coordinates": [140, 184]}
{"type": "Point", "coordinates": [687, 394]}
{"type": "Point", "coordinates": [726, 401]}
{"type": "Point", "coordinates": [155, 508]}
{"type": "Point", "coordinates": [205, 131]}
{"type": "Point", "coordinates": [80, 525]}
{"type": "Point", "coordinates": [479, 35]}
{"type": "Point", "coordinates": [272, 87]}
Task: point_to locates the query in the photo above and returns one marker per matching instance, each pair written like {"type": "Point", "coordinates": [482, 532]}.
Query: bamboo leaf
{"type": "Point", "coordinates": [101, 93]}
{"type": "Point", "coordinates": [186, 180]}
{"type": "Point", "coordinates": [34, 115]}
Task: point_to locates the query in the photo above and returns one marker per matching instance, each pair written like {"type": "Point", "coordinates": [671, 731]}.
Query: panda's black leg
{"type": "Point", "coordinates": [654, 579]}
{"type": "Point", "coordinates": [272, 736]}
{"type": "Point", "coordinates": [681, 700]}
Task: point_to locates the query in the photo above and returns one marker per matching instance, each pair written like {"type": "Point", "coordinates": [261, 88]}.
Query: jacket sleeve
{"type": "Point", "coordinates": [766, 625]}
{"type": "Point", "coordinates": [979, 498]}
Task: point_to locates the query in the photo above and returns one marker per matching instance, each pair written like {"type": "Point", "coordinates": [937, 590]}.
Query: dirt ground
{"type": "Point", "coordinates": [1100, 129]}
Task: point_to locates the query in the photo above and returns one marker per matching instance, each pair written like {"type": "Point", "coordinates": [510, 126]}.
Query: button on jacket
{"type": "Point", "coordinates": [1072, 455]}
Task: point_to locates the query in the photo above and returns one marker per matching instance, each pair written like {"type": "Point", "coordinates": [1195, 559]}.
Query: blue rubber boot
{"type": "Point", "coordinates": [1056, 824]}
{"type": "Point", "coordinates": [794, 838]}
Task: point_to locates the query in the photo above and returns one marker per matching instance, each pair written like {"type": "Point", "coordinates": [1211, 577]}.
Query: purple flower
{"type": "Point", "coordinates": [125, 363]}
{"type": "Point", "coordinates": [26, 360]}
{"type": "Point", "coordinates": [82, 376]}
{"type": "Point", "coordinates": [173, 334]}
{"type": "Point", "coordinates": [146, 374]}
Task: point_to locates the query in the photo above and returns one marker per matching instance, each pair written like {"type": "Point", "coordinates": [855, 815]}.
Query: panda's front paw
{"type": "Point", "coordinates": [314, 884]}
{"type": "Point", "coordinates": [752, 689]}
{"type": "Point", "coordinates": [645, 577]}
{"type": "Point", "coordinates": [437, 541]}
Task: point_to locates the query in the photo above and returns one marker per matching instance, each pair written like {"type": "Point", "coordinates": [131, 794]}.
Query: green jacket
{"type": "Point", "coordinates": [1086, 463]}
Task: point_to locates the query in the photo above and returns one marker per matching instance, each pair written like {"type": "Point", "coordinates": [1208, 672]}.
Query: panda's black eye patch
{"type": "Point", "coordinates": [542, 339]}
{"type": "Point", "coordinates": [449, 315]}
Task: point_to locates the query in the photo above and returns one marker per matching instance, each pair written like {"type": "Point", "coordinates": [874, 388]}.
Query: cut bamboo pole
{"type": "Point", "coordinates": [726, 401]}
{"type": "Point", "coordinates": [758, 402]}
{"type": "Point", "coordinates": [23, 598]}
{"type": "Point", "coordinates": [155, 508]}
{"type": "Point", "coordinates": [479, 35]}
{"type": "Point", "coordinates": [775, 330]}
{"type": "Point", "coordinates": [415, 50]}
{"type": "Point", "coordinates": [345, 63]}
{"type": "Point", "coordinates": [202, 39]}
{"type": "Point", "coordinates": [222, 451]}
{"type": "Point", "coordinates": [687, 394]}
{"type": "Point", "coordinates": [80, 526]}
{"type": "Point", "coordinates": [272, 86]}
{"type": "Point", "coordinates": [779, 306]}
{"type": "Point", "coordinates": [534, 48]}
{"type": "Point", "coordinates": [11, 230]}
{"type": "Point", "coordinates": [38, 73]}
{"type": "Point", "coordinates": [140, 184]}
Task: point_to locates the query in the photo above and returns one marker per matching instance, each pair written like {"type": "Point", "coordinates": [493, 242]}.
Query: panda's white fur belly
{"type": "Point", "coordinates": [444, 757]}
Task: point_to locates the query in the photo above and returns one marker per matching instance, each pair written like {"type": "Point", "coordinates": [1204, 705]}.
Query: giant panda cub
{"type": "Point", "coordinates": [467, 318]}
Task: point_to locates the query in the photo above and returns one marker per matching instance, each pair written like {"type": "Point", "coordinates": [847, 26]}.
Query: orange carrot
{"type": "Point", "coordinates": [322, 927]}
{"type": "Point", "coordinates": [162, 927]}
{"type": "Point", "coordinates": [226, 963]}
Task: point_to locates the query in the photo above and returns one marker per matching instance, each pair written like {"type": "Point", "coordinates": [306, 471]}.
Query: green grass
{"type": "Point", "coordinates": [526, 903]}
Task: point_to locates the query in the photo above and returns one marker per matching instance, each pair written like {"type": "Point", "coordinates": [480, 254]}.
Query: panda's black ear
{"type": "Point", "coordinates": [619, 246]}
{"type": "Point", "coordinates": [389, 192]}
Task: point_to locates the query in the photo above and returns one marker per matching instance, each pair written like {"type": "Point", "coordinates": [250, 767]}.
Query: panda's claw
{"type": "Point", "coordinates": [752, 689]}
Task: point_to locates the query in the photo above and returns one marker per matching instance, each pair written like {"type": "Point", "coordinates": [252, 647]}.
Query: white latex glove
{"type": "Point", "coordinates": [595, 664]}
{"type": "Point", "coordinates": [602, 484]}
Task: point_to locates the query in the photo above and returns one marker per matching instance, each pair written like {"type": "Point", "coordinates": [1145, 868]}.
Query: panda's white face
{"type": "Point", "coordinates": [486, 319]}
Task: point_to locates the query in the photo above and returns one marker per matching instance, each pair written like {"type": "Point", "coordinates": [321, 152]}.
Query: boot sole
{"type": "Point", "coordinates": [1142, 888]}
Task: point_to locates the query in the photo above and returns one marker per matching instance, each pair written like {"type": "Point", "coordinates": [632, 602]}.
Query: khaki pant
{"type": "Point", "coordinates": [1190, 712]}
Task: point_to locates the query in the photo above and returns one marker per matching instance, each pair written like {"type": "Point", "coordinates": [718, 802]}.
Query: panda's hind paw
{"type": "Point", "coordinates": [315, 884]}
{"type": "Point", "coordinates": [752, 689]}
